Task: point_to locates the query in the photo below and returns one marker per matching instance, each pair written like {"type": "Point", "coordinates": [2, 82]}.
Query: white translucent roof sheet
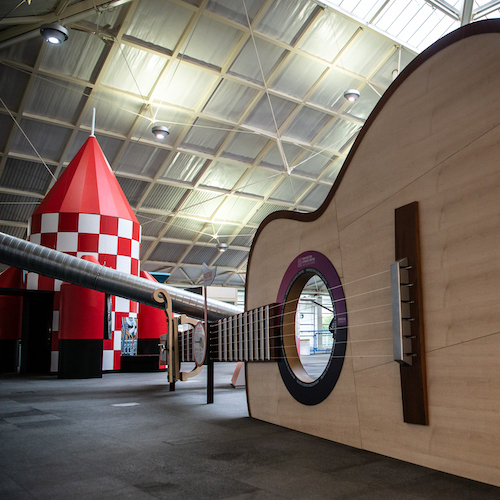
{"type": "Point", "coordinates": [338, 135]}
{"type": "Point", "coordinates": [230, 100]}
{"type": "Point", "coordinates": [273, 158]}
{"type": "Point", "coordinates": [147, 69]}
{"type": "Point", "coordinates": [183, 85]}
{"type": "Point", "coordinates": [258, 182]}
{"type": "Point", "coordinates": [290, 189]}
{"type": "Point", "coordinates": [159, 22]}
{"type": "Point", "coordinates": [222, 175]}
{"type": "Point", "coordinates": [307, 124]}
{"type": "Point", "coordinates": [202, 203]}
{"type": "Point", "coordinates": [141, 159]}
{"type": "Point", "coordinates": [330, 34]}
{"type": "Point", "coordinates": [205, 136]}
{"type": "Point", "coordinates": [262, 118]}
{"type": "Point", "coordinates": [235, 208]}
{"type": "Point", "coordinates": [235, 10]}
{"type": "Point", "coordinates": [183, 167]}
{"type": "Point", "coordinates": [184, 229]}
{"type": "Point", "coordinates": [244, 146]}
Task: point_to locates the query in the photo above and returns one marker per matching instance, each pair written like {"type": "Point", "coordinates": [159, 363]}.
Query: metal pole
{"type": "Point", "coordinates": [210, 363]}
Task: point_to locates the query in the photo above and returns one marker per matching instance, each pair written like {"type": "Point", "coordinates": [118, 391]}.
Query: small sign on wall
{"type": "Point", "coordinates": [129, 336]}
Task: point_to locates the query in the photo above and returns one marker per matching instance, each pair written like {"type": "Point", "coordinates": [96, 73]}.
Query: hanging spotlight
{"type": "Point", "coordinates": [351, 95]}
{"type": "Point", "coordinates": [160, 131]}
{"type": "Point", "coordinates": [222, 247]}
{"type": "Point", "coordinates": [54, 33]}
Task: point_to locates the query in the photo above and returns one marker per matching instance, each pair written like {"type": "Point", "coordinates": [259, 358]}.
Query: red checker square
{"type": "Point", "coordinates": [88, 242]}
{"type": "Point", "coordinates": [134, 267]}
{"type": "Point", "coordinates": [54, 344]}
{"type": "Point", "coordinates": [56, 301]}
{"type": "Point", "coordinates": [48, 240]}
{"type": "Point", "coordinates": [68, 223]}
{"type": "Point", "coordinates": [136, 231]}
{"type": "Point", "coordinates": [45, 283]}
{"type": "Point", "coordinates": [108, 260]}
{"type": "Point", "coordinates": [36, 223]}
{"type": "Point", "coordinates": [107, 344]}
{"type": "Point", "coordinates": [124, 246]}
{"type": "Point", "coordinates": [133, 307]}
{"type": "Point", "coordinates": [117, 359]}
{"type": "Point", "coordinates": [109, 225]}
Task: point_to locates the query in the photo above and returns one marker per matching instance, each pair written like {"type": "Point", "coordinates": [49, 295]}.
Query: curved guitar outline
{"type": "Point", "coordinates": [478, 28]}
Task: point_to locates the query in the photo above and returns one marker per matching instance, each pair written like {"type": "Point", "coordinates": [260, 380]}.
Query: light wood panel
{"type": "Point", "coordinates": [433, 139]}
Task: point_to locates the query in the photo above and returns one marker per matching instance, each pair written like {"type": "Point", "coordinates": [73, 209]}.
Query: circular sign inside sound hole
{"type": "Point", "coordinates": [311, 268]}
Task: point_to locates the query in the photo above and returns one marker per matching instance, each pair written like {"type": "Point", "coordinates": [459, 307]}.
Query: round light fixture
{"type": "Point", "coordinates": [222, 247]}
{"type": "Point", "coordinates": [351, 95]}
{"type": "Point", "coordinates": [54, 33]}
{"type": "Point", "coordinates": [160, 131]}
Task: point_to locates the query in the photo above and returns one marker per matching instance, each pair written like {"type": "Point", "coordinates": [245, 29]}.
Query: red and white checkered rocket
{"type": "Point", "coordinates": [87, 213]}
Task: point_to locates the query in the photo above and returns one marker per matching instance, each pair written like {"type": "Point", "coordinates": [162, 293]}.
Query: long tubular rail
{"type": "Point", "coordinates": [42, 260]}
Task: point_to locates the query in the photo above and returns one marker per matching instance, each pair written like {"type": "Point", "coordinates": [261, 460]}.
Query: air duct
{"type": "Point", "coordinates": [42, 260]}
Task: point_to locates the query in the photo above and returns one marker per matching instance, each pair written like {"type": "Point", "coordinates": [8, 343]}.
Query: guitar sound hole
{"type": "Point", "coordinates": [313, 328]}
{"type": "Point", "coordinates": [315, 321]}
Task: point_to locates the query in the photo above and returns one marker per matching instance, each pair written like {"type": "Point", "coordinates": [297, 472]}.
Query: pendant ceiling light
{"type": "Point", "coordinates": [160, 131]}
{"type": "Point", "coordinates": [351, 95]}
{"type": "Point", "coordinates": [54, 33]}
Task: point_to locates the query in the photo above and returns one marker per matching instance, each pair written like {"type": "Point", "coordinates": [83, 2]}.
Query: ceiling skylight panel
{"type": "Point", "coordinates": [205, 136]}
{"type": "Point", "coordinates": [298, 76]}
{"type": "Point", "coordinates": [364, 105]}
{"type": "Point", "coordinates": [446, 25]}
{"type": "Point", "coordinates": [13, 84]}
{"type": "Point", "coordinates": [328, 36]}
{"type": "Point", "coordinates": [26, 176]}
{"type": "Point", "coordinates": [159, 22]}
{"type": "Point", "coordinates": [307, 124]}
{"type": "Point", "coordinates": [132, 189]}
{"type": "Point", "coordinates": [184, 229]}
{"type": "Point", "coordinates": [167, 252]}
{"type": "Point", "coordinates": [424, 22]}
{"type": "Point", "coordinates": [110, 146]}
{"type": "Point", "coordinates": [244, 147]}
{"type": "Point", "coordinates": [261, 116]}
{"type": "Point", "coordinates": [384, 76]}
{"type": "Point", "coordinates": [49, 140]}
{"type": "Point", "coordinates": [183, 167]}
{"type": "Point", "coordinates": [56, 99]}
{"type": "Point", "coordinates": [230, 100]}
{"type": "Point", "coordinates": [285, 20]}
{"type": "Point", "coordinates": [141, 159]}
{"type": "Point", "coordinates": [113, 112]}
{"type": "Point", "coordinates": [212, 42]}
{"type": "Point", "coordinates": [183, 85]}
{"type": "Point", "coordinates": [258, 182]}
{"type": "Point", "coordinates": [151, 224]}
{"type": "Point", "coordinates": [134, 71]}
{"type": "Point", "coordinates": [222, 175]}
{"type": "Point", "coordinates": [246, 63]}
{"type": "Point", "coordinates": [338, 135]}
{"type": "Point", "coordinates": [244, 238]}
{"type": "Point", "coordinates": [202, 203]}
{"type": "Point", "coordinates": [364, 9]}
{"type": "Point", "coordinates": [397, 14]}
{"type": "Point", "coordinates": [235, 208]}
{"type": "Point", "coordinates": [273, 157]}
{"type": "Point", "coordinates": [364, 52]}
{"type": "Point", "coordinates": [330, 92]}
{"type": "Point", "coordinates": [316, 197]}
{"type": "Point", "coordinates": [290, 189]}
{"type": "Point", "coordinates": [163, 197]}
{"type": "Point", "coordinates": [235, 10]}
{"type": "Point", "coordinates": [198, 255]}
{"type": "Point", "coordinates": [313, 164]}
{"type": "Point", "coordinates": [264, 211]}
{"type": "Point", "coordinates": [78, 56]}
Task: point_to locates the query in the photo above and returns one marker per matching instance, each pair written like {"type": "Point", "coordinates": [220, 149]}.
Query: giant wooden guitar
{"type": "Point", "coordinates": [431, 145]}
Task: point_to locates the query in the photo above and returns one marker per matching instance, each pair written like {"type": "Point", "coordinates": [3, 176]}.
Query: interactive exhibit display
{"type": "Point", "coordinates": [406, 245]}
{"type": "Point", "coordinates": [419, 191]}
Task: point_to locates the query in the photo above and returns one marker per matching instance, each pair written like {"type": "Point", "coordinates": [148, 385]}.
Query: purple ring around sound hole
{"type": "Point", "coordinates": [315, 392]}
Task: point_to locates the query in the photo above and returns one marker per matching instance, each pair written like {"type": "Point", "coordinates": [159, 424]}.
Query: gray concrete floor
{"type": "Point", "coordinates": [125, 436]}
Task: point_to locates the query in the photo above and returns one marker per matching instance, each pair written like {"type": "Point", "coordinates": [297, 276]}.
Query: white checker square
{"type": "Point", "coordinates": [125, 228]}
{"type": "Point", "coordinates": [67, 242]}
{"type": "Point", "coordinates": [36, 238]}
{"type": "Point", "coordinates": [136, 249]}
{"type": "Point", "coordinates": [108, 243]}
{"type": "Point", "coordinates": [32, 281]}
{"type": "Point", "coordinates": [50, 223]}
{"type": "Point", "coordinates": [117, 341]}
{"type": "Point", "coordinates": [123, 264]}
{"type": "Point", "coordinates": [55, 321]}
{"type": "Point", "coordinates": [107, 360]}
{"type": "Point", "coordinates": [57, 285]}
{"type": "Point", "coordinates": [54, 361]}
{"type": "Point", "coordinates": [121, 305]}
{"type": "Point", "coordinates": [89, 223]}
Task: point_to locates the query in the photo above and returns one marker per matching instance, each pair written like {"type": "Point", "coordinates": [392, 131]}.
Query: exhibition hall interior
{"type": "Point", "coordinates": [248, 249]}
